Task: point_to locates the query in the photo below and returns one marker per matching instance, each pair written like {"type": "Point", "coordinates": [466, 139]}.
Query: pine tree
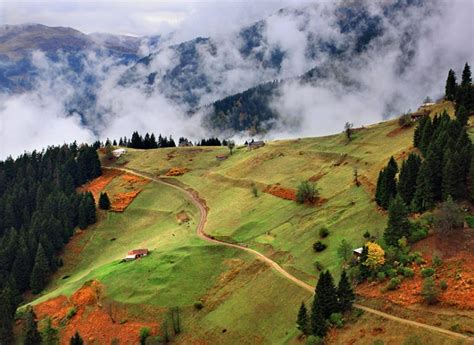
{"type": "Point", "coordinates": [326, 295]}
{"type": "Point", "coordinates": [448, 187]}
{"type": "Point", "coordinates": [426, 136]}
{"type": "Point", "coordinates": [451, 86]}
{"type": "Point", "coordinates": [32, 336]}
{"type": "Point", "coordinates": [318, 322]}
{"type": "Point", "coordinates": [462, 115]}
{"type": "Point", "coordinates": [424, 196]}
{"type": "Point", "coordinates": [345, 293]}
{"type": "Point", "coordinates": [466, 76]}
{"type": "Point", "coordinates": [407, 178]}
{"type": "Point", "coordinates": [90, 209]}
{"type": "Point", "coordinates": [302, 320]}
{"type": "Point", "coordinates": [104, 202]}
{"type": "Point", "coordinates": [40, 271]}
{"type": "Point", "coordinates": [7, 312]}
{"type": "Point", "coordinates": [471, 180]}
{"type": "Point", "coordinates": [387, 184]}
{"type": "Point", "coordinates": [76, 339]}
{"type": "Point", "coordinates": [364, 269]}
{"type": "Point", "coordinates": [398, 224]}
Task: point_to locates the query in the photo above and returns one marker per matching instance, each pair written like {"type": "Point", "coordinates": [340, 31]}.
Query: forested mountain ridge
{"type": "Point", "coordinates": [39, 210]}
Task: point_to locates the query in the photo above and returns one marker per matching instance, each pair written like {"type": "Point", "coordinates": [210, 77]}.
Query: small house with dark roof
{"type": "Point", "coordinates": [255, 144]}
{"type": "Point", "coordinates": [136, 254]}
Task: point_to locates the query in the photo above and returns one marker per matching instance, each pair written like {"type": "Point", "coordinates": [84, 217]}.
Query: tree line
{"type": "Point", "coordinates": [445, 165]}
{"type": "Point", "coordinates": [149, 141]}
{"type": "Point", "coordinates": [39, 209]}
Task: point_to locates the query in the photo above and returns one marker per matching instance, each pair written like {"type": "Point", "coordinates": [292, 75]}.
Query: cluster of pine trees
{"type": "Point", "coordinates": [147, 142]}
{"type": "Point", "coordinates": [328, 300]}
{"type": "Point", "coordinates": [212, 142]}
{"type": "Point", "coordinates": [443, 171]}
{"type": "Point", "coordinates": [39, 209]}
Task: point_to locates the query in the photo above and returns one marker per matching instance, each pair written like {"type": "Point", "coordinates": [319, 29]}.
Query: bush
{"type": "Point", "coordinates": [356, 312]}
{"type": "Point", "coordinates": [430, 291]}
{"type": "Point", "coordinates": [314, 340]}
{"type": "Point", "coordinates": [381, 276]}
{"type": "Point", "coordinates": [306, 192]}
{"type": "Point", "coordinates": [404, 120]}
{"type": "Point", "coordinates": [437, 261]}
{"type": "Point", "coordinates": [394, 283]}
{"type": "Point", "coordinates": [419, 232]}
{"type": "Point", "coordinates": [470, 221]}
{"type": "Point", "coordinates": [145, 332]}
{"type": "Point", "coordinates": [198, 305]}
{"type": "Point", "coordinates": [254, 190]}
{"type": "Point", "coordinates": [71, 312]}
{"type": "Point", "coordinates": [323, 232]}
{"type": "Point", "coordinates": [443, 285]}
{"type": "Point", "coordinates": [391, 273]}
{"type": "Point", "coordinates": [319, 246]}
{"type": "Point", "coordinates": [427, 272]}
{"type": "Point", "coordinates": [408, 272]}
{"type": "Point", "coordinates": [336, 320]}
{"type": "Point", "coordinates": [367, 235]}
{"type": "Point", "coordinates": [318, 265]}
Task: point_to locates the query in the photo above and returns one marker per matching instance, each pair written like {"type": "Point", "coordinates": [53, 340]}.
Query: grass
{"type": "Point", "coordinates": [243, 300]}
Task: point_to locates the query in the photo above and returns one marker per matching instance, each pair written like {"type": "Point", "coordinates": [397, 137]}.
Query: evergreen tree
{"type": "Point", "coordinates": [398, 224]}
{"type": "Point", "coordinates": [318, 322]}
{"type": "Point", "coordinates": [466, 76]}
{"type": "Point", "coordinates": [49, 334]}
{"type": "Point", "coordinates": [7, 312]}
{"type": "Point", "coordinates": [104, 202]}
{"type": "Point", "coordinates": [345, 293]}
{"type": "Point", "coordinates": [40, 271]}
{"type": "Point", "coordinates": [302, 320]}
{"type": "Point", "coordinates": [462, 115]}
{"type": "Point", "coordinates": [326, 295]}
{"type": "Point", "coordinates": [364, 269]}
{"type": "Point", "coordinates": [424, 196]}
{"type": "Point", "coordinates": [76, 339]}
{"type": "Point", "coordinates": [471, 180]}
{"type": "Point", "coordinates": [32, 336]}
{"type": "Point", "coordinates": [451, 86]}
{"type": "Point", "coordinates": [387, 184]}
{"type": "Point", "coordinates": [407, 178]}
{"type": "Point", "coordinates": [426, 136]}
{"type": "Point", "coordinates": [448, 187]}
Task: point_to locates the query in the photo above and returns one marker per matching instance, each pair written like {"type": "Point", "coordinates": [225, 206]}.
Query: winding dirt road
{"type": "Point", "coordinates": [200, 232]}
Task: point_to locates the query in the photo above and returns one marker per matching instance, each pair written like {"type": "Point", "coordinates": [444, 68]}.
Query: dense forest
{"type": "Point", "coordinates": [443, 168]}
{"type": "Point", "coordinates": [39, 210]}
{"type": "Point", "coordinates": [246, 111]}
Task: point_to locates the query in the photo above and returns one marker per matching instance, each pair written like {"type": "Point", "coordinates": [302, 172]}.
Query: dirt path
{"type": "Point", "coordinates": [200, 232]}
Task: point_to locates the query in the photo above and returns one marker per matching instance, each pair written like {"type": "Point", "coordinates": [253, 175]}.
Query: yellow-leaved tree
{"type": "Point", "coordinates": [375, 256]}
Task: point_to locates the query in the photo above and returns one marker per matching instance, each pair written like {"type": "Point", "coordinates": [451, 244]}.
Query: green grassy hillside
{"type": "Point", "coordinates": [244, 300]}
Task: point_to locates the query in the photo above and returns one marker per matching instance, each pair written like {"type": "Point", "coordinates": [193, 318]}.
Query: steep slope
{"type": "Point", "coordinates": [243, 300]}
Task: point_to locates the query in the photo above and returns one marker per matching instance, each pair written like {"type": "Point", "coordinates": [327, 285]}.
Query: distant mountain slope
{"type": "Point", "coordinates": [19, 67]}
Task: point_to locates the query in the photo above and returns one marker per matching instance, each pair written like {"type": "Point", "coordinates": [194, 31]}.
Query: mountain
{"type": "Point", "coordinates": [362, 54]}
{"type": "Point", "coordinates": [21, 44]}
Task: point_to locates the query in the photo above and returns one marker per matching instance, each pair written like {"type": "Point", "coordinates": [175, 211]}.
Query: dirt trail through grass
{"type": "Point", "coordinates": [200, 232]}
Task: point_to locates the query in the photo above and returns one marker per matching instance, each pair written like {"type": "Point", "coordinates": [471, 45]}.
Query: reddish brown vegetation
{"type": "Point", "coordinates": [98, 184]}
{"type": "Point", "coordinates": [281, 192]}
{"type": "Point", "coordinates": [176, 171]}
{"type": "Point", "coordinates": [120, 201]}
{"type": "Point", "coordinates": [457, 271]}
{"type": "Point", "coordinates": [92, 320]}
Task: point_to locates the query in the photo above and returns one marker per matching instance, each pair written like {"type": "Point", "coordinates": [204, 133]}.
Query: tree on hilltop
{"type": "Point", "coordinates": [451, 86]}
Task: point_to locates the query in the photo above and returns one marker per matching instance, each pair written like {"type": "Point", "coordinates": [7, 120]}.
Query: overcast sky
{"type": "Point", "coordinates": [143, 17]}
